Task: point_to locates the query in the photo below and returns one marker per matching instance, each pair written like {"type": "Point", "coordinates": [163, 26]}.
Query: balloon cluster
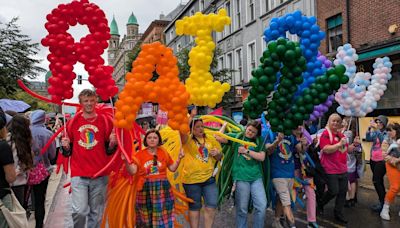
{"type": "Point", "coordinates": [167, 90]}
{"type": "Point", "coordinates": [347, 56]}
{"type": "Point", "coordinates": [310, 39]}
{"type": "Point", "coordinates": [319, 110]}
{"type": "Point", "coordinates": [280, 52]}
{"type": "Point", "coordinates": [285, 120]}
{"type": "Point", "coordinates": [65, 53]}
{"type": "Point", "coordinates": [203, 90]}
{"type": "Point", "coordinates": [360, 96]}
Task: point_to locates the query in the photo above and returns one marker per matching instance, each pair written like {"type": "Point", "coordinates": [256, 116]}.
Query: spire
{"type": "Point", "coordinates": [132, 20]}
{"type": "Point", "coordinates": [114, 27]}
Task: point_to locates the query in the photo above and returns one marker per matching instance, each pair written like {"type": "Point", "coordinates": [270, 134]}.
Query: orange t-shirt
{"type": "Point", "coordinates": [147, 165]}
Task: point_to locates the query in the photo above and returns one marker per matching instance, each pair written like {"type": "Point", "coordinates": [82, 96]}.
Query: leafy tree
{"type": "Point", "coordinates": [33, 102]}
{"type": "Point", "coordinates": [132, 55]}
{"type": "Point", "coordinates": [16, 57]}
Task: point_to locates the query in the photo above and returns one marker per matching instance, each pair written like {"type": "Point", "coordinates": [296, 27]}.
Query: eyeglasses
{"type": "Point", "coordinates": [155, 160]}
{"type": "Point", "coordinates": [378, 121]}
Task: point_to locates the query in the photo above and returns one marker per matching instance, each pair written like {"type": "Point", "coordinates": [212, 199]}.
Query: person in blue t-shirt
{"type": "Point", "coordinates": [281, 150]}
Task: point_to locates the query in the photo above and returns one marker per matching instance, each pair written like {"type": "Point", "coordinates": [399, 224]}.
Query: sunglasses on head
{"type": "Point", "coordinates": [154, 160]}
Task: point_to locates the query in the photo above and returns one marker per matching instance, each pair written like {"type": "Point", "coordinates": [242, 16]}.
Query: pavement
{"type": "Point", "coordinates": [58, 212]}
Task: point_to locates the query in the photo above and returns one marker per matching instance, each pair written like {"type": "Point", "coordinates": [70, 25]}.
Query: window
{"type": "Point", "coordinates": [251, 14]}
{"type": "Point", "coordinates": [191, 12]}
{"type": "Point", "coordinates": [171, 34]}
{"type": "Point", "coordinates": [201, 5]}
{"type": "Point", "coordinates": [238, 22]}
{"type": "Point", "coordinates": [265, 6]}
{"type": "Point", "coordinates": [178, 48]}
{"type": "Point", "coordinates": [238, 58]}
{"type": "Point", "coordinates": [228, 29]}
{"type": "Point", "coordinates": [251, 53]}
{"type": "Point", "coordinates": [335, 35]}
{"type": "Point", "coordinates": [220, 63]}
{"type": "Point", "coordinates": [263, 44]}
{"type": "Point", "coordinates": [229, 64]}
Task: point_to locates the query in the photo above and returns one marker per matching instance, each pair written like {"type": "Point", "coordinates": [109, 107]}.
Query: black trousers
{"type": "Point", "coordinates": [378, 172]}
{"type": "Point", "coordinates": [20, 192]}
{"type": "Point", "coordinates": [39, 192]}
{"type": "Point", "coordinates": [337, 187]}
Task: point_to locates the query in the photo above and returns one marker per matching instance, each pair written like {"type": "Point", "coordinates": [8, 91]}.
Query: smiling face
{"type": "Point", "coordinates": [88, 104]}
{"type": "Point", "coordinates": [251, 132]}
{"type": "Point", "coordinates": [152, 140]}
{"type": "Point", "coordinates": [335, 122]}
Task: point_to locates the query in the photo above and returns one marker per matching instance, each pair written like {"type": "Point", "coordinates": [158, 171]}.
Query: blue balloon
{"type": "Point", "coordinates": [314, 28]}
{"type": "Point", "coordinates": [314, 38]}
{"type": "Point", "coordinates": [305, 42]}
{"type": "Point", "coordinates": [298, 25]}
{"type": "Point", "coordinates": [273, 25]}
{"type": "Point", "coordinates": [322, 35]}
{"type": "Point", "coordinates": [306, 34]}
{"type": "Point", "coordinates": [306, 26]}
{"type": "Point", "coordinates": [312, 19]}
{"type": "Point", "coordinates": [310, 66]}
{"type": "Point", "coordinates": [297, 14]}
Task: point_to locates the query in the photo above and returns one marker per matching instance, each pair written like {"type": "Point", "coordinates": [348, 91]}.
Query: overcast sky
{"type": "Point", "coordinates": [32, 17]}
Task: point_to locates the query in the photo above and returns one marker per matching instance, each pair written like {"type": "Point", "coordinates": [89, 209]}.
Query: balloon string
{"type": "Point", "coordinates": [348, 127]}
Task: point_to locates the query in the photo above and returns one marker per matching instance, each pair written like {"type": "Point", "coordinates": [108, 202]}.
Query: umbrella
{"type": "Point", "coordinates": [13, 105]}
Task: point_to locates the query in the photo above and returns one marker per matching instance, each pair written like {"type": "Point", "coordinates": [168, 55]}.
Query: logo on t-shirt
{"type": "Point", "coordinates": [203, 154]}
{"type": "Point", "coordinates": [284, 150]}
{"type": "Point", "coordinates": [152, 169]}
{"type": "Point", "coordinates": [87, 136]}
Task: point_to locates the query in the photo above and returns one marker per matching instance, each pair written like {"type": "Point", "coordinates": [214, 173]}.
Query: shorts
{"type": "Point", "coordinates": [283, 187]}
{"type": "Point", "coordinates": [353, 177]}
{"type": "Point", "coordinates": [208, 190]}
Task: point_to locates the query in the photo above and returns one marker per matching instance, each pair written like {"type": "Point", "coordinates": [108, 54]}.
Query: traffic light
{"type": "Point", "coordinates": [79, 79]}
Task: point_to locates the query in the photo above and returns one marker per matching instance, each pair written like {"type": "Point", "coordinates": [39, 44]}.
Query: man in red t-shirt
{"type": "Point", "coordinates": [89, 143]}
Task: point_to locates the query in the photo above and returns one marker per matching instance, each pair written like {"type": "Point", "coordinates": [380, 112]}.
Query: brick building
{"type": "Point", "coordinates": [372, 27]}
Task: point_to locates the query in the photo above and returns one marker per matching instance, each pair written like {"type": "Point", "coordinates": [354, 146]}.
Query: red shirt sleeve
{"type": "Point", "coordinates": [324, 140]}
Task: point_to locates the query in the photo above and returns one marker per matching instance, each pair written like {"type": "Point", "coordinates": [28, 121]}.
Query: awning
{"type": "Point", "coordinates": [379, 52]}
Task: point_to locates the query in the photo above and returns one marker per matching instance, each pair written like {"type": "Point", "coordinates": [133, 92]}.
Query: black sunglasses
{"type": "Point", "coordinates": [378, 121]}
{"type": "Point", "coordinates": [155, 160]}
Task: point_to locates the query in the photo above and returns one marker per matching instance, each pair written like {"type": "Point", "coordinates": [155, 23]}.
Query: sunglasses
{"type": "Point", "coordinates": [155, 160]}
{"type": "Point", "coordinates": [378, 121]}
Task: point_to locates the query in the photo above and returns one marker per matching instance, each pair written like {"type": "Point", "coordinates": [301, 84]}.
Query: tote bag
{"type": "Point", "coordinates": [16, 217]}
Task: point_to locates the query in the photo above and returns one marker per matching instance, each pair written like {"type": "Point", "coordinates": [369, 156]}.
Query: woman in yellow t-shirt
{"type": "Point", "coordinates": [201, 153]}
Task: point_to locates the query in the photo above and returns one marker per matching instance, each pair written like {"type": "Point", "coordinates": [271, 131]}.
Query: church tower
{"type": "Point", "coordinates": [132, 27]}
{"type": "Point", "coordinates": [113, 43]}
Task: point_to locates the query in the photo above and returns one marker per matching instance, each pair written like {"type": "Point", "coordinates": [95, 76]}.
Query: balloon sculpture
{"type": "Point", "coordinates": [203, 90]}
{"type": "Point", "coordinates": [167, 90]}
{"type": "Point", "coordinates": [65, 53]}
{"type": "Point", "coordinates": [360, 96]}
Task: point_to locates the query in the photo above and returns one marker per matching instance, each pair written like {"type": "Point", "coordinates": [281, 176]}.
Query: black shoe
{"type": "Point", "coordinates": [340, 218]}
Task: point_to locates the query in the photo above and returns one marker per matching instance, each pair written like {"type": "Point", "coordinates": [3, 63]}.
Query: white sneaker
{"type": "Point", "coordinates": [385, 213]}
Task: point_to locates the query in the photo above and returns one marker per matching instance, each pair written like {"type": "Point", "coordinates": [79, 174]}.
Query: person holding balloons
{"type": "Point", "coordinates": [376, 134]}
{"type": "Point", "coordinates": [155, 200]}
{"type": "Point", "coordinates": [334, 149]}
{"type": "Point", "coordinates": [202, 151]}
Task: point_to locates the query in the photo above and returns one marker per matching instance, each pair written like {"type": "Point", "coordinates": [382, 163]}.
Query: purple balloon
{"type": "Point", "coordinates": [327, 63]}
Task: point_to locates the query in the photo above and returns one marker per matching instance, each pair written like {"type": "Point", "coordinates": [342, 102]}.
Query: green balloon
{"type": "Point", "coordinates": [293, 89]}
{"type": "Point", "coordinates": [306, 116]}
{"type": "Point", "coordinates": [298, 116]}
{"type": "Point", "coordinates": [281, 115]}
{"type": "Point", "coordinates": [306, 91]}
{"type": "Point", "coordinates": [302, 109]}
{"type": "Point", "coordinates": [294, 109]}
{"type": "Point", "coordinates": [298, 80]}
{"type": "Point", "coordinates": [266, 54]}
{"type": "Point", "coordinates": [276, 65]}
{"type": "Point", "coordinates": [290, 76]}
{"type": "Point", "coordinates": [319, 87]}
{"type": "Point", "coordinates": [270, 86]}
{"type": "Point", "coordinates": [253, 90]}
{"type": "Point", "coordinates": [282, 90]}
{"type": "Point", "coordinates": [301, 61]}
{"type": "Point", "coordinates": [290, 63]}
{"type": "Point", "coordinates": [297, 71]}
{"type": "Point", "coordinates": [331, 71]}
{"type": "Point", "coordinates": [282, 41]}
{"type": "Point", "coordinates": [335, 86]}
{"type": "Point", "coordinates": [344, 79]}
{"type": "Point", "coordinates": [309, 108]}
{"type": "Point", "coordinates": [340, 69]}
{"type": "Point", "coordinates": [290, 45]}
{"type": "Point", "coordinates": [316, 101]}
{"type": "Point", "coordinates": [282, 100]}
{"type": "Point", "coordinates": [287, 131]}
{"type": "Point", "coordinates": [263, 80]}
{"type": "Point", "coordinates": [259, 72]}
{"type": "Point", "coordinates": [323, 79]}
{"type": "Point", "coordinates": [272, 105]}
{"type": "Point", "coordinates": [269, 70]}
{"type": "Point", "coordinates": [323, 96]}
{"type": "Point", "coordinates": [308, 98]}
{"type": "Point", "coordinates": [275, 56]}
{"type": "Point", "coordinates": [279, 128]}
{"type": "Point", "coordinates": [272, 46]}
{"type": "Point", "coordinates": [254, 81]}
{"type": "Point", "coordinates": [254, 102]}
{"type": "Point", "coordinates": [327, 86]}
{"type": "Point", "coordinates": [268, 62]}
{"type": "Point", "coordinates": [286, 83]}
{"type": "Point", "coordinates": [288, 124]}
{"type": "Point", "coordinates": [290, 55]}
{"type": "Point", "coordinates": [285, 70]}
{"type": "Point", "coordinates": [333, 79]}
{"type": "Point", "coordinates": [261, 97]}
{"type": "Point", "coordinates": [272, 112]}
{"type": "Point", "coordinates": [247, 105]}
{"type": "Point", "coordinates": [297, 50]}
{"type": "Point", "coordinates": [261, 59]}
{"type": "Point", "coordinates": [280, 50]}
{"type": "Point", "coordinates": [253, 115]}
{"type": "Point", "coordinates": [313, 92]}
{"type": "Point", "coordinates": [260, 89]}
{"type": "Point", "coordinates": [289, 116]}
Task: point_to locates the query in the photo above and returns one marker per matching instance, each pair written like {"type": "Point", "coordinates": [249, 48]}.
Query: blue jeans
{"type": "Point", "coordinates": [88, 198]}
{"type": "Point", "coordinates": [208, 190]}
{"type": "Point", "coordinates": [255, 190]}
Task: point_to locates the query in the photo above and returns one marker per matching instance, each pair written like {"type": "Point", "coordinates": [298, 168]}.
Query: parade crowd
{"type": "Point", "coordinates": [326, 164]}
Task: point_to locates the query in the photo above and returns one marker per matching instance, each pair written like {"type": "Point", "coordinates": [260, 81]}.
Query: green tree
{"type": "Point", "coordinates": [132, 55]}
{"type": "Point", "coordinates": [222, 75]}
{"type": "Point", "coordinates": [16, 57]}
{"type": "Point", "coordinates": [33, 102]}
